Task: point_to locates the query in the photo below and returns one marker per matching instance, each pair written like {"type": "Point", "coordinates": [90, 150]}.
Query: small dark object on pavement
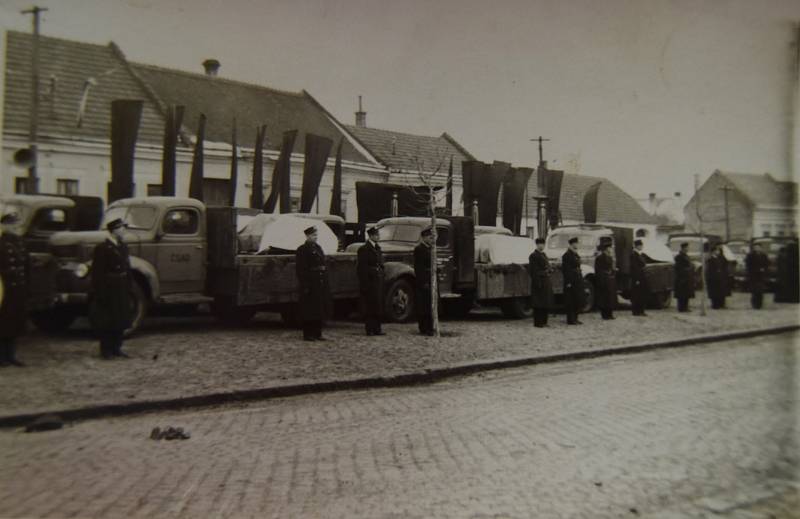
{"type": "Point", "coordinates": [170, 433]}
{"type": "Point", "coordinates": [155, 357]}
{"type": "Point", "coordinates": [48, 422]}
{"type": "Point", "coordinates": [633, 511]}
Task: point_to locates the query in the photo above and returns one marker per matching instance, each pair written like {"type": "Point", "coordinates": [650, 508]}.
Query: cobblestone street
{"type": "Point", "coordinates": [705, 431]}
{"type": "Point", "coordinates": [178, 357]}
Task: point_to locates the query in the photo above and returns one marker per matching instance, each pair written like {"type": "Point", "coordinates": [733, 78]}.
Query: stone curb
{"type": "Point", "coordinates": [427, 376]}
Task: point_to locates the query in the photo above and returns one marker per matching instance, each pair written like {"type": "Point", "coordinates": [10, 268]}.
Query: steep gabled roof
{"type": "Point", "coordinates": [613, 204]}
{"type": "Point", "coordinates": [401, 151]}
{"type": "Point", "coordinates": [762, 190]}
{"type": "Point", "coordinates": [252, 105]}
{"type": "Point", "coordinates": [65, 66]}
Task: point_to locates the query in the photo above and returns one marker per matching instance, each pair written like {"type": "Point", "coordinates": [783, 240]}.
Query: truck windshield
{"type": "Point", "coordinates": [399, 232]}
{"type": "Point", "coordinates": [137, 217]}
{"type": "Point", "coordinates": [561, 242]}
{"type": "Point", "coordinates": [694, 245]}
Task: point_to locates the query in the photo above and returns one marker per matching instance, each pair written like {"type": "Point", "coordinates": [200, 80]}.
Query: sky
{"type": "Point", "coordinates": [647, 93]}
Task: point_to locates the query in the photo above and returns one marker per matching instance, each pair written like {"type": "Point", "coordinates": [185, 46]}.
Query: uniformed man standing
{"type": "Point", "coordinates": [424, 292]}
{"type": "Point", "coordinates": [111, 305]}
{"type": "Point", "coordinates": [312, 276]}
{"type": "Point", "coordinates": [684, 278]}
{"type": "Point", "coordinates": [717, 277]}
{"type": "Point", "coordinates": [605, 277]}
{"type": "Point", "coordinates": [541, 284]}
{"type": "Point", "coordinates": [573, 282]}
{"type": "Point", "coordinates": [370, 282]}
{"type": "Point", "coordinates": [640, 292]}
{"type": "Point", "coordinates": [14, 300]}
{"type": "Point", "coordinates": [757, 264]}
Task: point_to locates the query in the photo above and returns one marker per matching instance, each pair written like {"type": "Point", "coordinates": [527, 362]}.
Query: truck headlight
{"type": "Point", "coordinates": [81, 270]}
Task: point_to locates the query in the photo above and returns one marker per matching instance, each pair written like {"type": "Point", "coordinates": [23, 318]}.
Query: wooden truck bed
{"type": "Point", "coordinates": [501, 281]}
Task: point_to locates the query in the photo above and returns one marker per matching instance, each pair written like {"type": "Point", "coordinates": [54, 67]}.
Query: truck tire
{"type": "Point", "coordinates": [588, 296]}
{"type": "Point", "coordinates": [54, 320]}
{"type": "Point", "coordinates": [661, 300]}
{"type": "Point", "coordinates": [399, 301]}
{"type": "Point", "coordinates": [141, 307]}
{"type": "Point", "coordinates": [226, 312]}
{"type": "Point", "coordinates": [517, 308]}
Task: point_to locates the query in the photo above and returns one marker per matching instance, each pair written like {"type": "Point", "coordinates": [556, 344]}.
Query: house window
{"type": "Point", "coordinates": [780, 229]}
{"type": "Point", "coordinates": [295, 204]}
{"type": "Point", "coordinates": [766, 229]}
{"type": "Point", "coordinates": [66, 186]}
{"type": "Point", "coordinates": [154, 190]}
{"type": "Point", "coordinates": [21, 185]}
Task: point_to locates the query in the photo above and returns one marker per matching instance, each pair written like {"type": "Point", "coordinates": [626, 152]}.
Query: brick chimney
{"type": "Point", "coordinates": [361, 116]}
{"type": "Point", "coordinates": [212, 67]}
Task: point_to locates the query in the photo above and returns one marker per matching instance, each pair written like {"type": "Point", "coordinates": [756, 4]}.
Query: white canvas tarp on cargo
{"type": "Point", "coordinates": [503, 250]}
{"type": "Point", "coordinates": [285, 232]}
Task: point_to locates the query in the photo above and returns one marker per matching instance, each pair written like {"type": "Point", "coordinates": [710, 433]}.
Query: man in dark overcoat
{"type": "Point", "coordinates": [756, 264]}
{"type": "Point", "coordinates": [423, 290]}
{"type": "Point", "coordinates": [541, 284]}
{"type": "Point", "coordinates": [111, 305]}
{"type": "Point", "coordinates": [312, 276]}
{"type": "Point", "coordinates": [640, 291]}
{"type": "Point", "coordinates": [14, 300]}
{"type": "Point", "coordinates": [370, 282]}
{"type": "Point", "coordinates": [684, 278]}
{"type": "Point", "coordinates": [717, 277]}
{"type": "Point", "coordinates": [573, 282]}
{"type": "Point", "coordinates": [605, 279]}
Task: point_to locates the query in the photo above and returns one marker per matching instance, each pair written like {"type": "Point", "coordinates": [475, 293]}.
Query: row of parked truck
{"type": "Point", "coordinates": [184, 253]}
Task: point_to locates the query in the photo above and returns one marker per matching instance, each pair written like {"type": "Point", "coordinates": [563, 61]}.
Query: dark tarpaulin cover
{"type": "Point", "coordinates": [374, 200]}
{"type": "Point", "coordinates": [196, 177]}
{"type": "Point", "coordinates": [552, 188]}
{"type": "Point", "coordinates": [281, 176]}
{"type": "Point", "coordinates": [336, 192]}
{"type": "Point", "coordinates": [464, 249]}
{"type": "Point", "coordinates": [514, 186]}
{"type": "Point", "coordinates": [125, 117]}
{"type": "Point", "coordinates": [234, 168]}
{"type": "Point", "coordinates": [172, 126]}
{"type": "Point", "coordinates": [482, 183]}
{"type": "Point", "coordinates": [590, 203]}
{"type": "Point", "coordinates": [316, 157]}
{"type": "Point", "coordinates": [257, 190]}
{"type": "Point", "coordinates": [449, 193]}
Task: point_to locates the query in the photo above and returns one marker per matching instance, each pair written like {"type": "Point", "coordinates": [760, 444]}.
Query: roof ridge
{"type": "Point", "coordinates": [392, 131]}
{"type": "Point", "coordinates": [216, 79]}
{"type": "Point", "coordinates": [58, 38]}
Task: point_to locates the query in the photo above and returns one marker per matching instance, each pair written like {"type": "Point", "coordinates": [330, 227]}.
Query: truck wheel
{"type": "Point", "coordinates": [517, 308]}
{"type": "Point", "coordinates": [229, 314]}
{"type": "Point", "coordinates": [54, 320]}
{"type": "Point", "coordinates": [141, 306]}
{"type": "Point", "coordinates": [661, 300]}
{"type": "Point", "coordinates": [588, 296]}
{"type": "Point", "coordinates": [399, 303]}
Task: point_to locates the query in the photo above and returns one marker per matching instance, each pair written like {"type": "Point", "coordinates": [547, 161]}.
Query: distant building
{"type": "Point", "coordinates": [79, 80]}
{"type": "Point", "coordinates": [406, 156]}
{"type": "Point", "coordinates": [757, 205]}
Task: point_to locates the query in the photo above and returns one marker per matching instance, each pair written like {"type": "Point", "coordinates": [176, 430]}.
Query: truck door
{"type": "Point", "coordinates": [181, 252]}
{"type": "Point", "coordinates": [444, 258]}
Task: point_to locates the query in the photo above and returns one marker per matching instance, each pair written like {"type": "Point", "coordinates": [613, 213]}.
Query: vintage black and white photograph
{"type": "Point", "coordinates": [392, 259]}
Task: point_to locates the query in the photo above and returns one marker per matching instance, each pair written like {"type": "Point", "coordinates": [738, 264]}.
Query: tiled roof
{"type": "Point", "coordinates": [252, 105]}
{"type": "Point", "coordinates": [70, 64]}
{"type": "Point", "coordinates": [401, 151]}
{"type": "Point", "coordinates": [613, 204]}
{"type": "Point", "coordinates": [763, 189]}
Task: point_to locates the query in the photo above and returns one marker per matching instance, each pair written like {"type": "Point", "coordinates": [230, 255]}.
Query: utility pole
{"type": "Point", "coordinates": [725, 190]}
{"type": "Point", "coordinates": [539, 200]}
{"type": "Point", "coordinates": [702, 246]}
{"type": "Point", "coordinates": [33, 135]}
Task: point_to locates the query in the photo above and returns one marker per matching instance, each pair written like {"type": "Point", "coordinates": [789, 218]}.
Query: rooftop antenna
{"type": "Point", "coordinates": [33, 132]}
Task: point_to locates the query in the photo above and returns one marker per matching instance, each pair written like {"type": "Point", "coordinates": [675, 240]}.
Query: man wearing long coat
{"type": "Point", "coordinates": [717, 278]}
{"type": "Point", "coordinates": [14, 300]}
{"type": "Point", "coordinates": [573, 282]}
{"type": "Point", "coordinates": [640, 291]}
{"type": "Point", "coordinates": [605, 278]}
{"type": "Point", "coordinates": [111, 305]}
{"type": "Point", "coordinates": [370, 282]}
{"type": "Point", "coordinates": [541, 284]}
{"type": "Point", "coordinates": [684, 278]}
{"type": "Point", "coordinates": [423, 291]}
{"type": "Point", "coordinates": [756, 263]}
{"type": "Point", "coordinates": [312, 277]}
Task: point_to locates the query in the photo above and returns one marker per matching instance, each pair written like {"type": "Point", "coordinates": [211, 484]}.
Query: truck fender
{"type": "Point", "coordinates": [150, 275]}
{"type": "Point", "coordinates": [394, 269]}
